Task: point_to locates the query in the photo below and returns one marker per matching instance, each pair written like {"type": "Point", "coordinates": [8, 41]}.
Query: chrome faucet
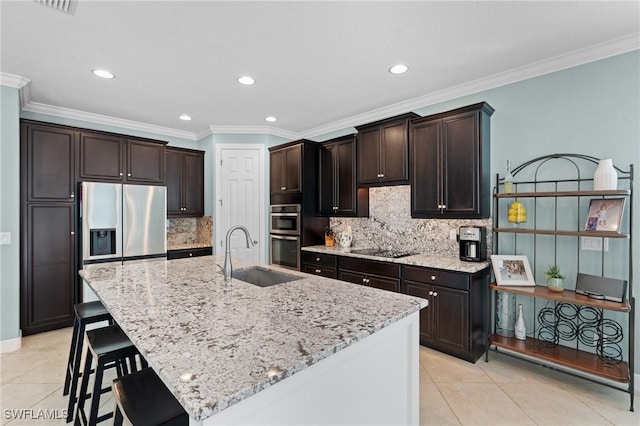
{"type": "Point", "coordinates": [228, 269]}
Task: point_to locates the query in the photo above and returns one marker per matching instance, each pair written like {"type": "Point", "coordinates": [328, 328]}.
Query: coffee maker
{"type": "Point", "coordinates": [473, 243]}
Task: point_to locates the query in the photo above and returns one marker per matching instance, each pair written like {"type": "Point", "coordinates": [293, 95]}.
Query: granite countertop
{"type": "Point", "coordinates": [187, 246]}
{"type": "Point", "coordinates": [215, 343]}
{"type": "Point", "coordinates": [429, 261]}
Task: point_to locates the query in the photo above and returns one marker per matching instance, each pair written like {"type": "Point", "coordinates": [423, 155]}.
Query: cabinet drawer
{"type": "Point", "coordinates": [370, 266]}
{"type": "Point", "coordinates": [456, 280]}
{"type": "Point", "coordinates": [195, 252]}
{"type": "Point", "coordinates": [319, 259]}
{"type": "Point", "coordinates": [319, 270]}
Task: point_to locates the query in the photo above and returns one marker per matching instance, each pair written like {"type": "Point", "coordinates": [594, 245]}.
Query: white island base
{"type": "Point", "coordinates": [372, 382]}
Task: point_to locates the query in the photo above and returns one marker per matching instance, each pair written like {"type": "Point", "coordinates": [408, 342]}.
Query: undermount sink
{"type": "Point", "coordinates": [263, 277]}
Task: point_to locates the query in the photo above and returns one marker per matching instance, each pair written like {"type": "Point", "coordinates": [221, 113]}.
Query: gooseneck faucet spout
{"type": "Point", "coordinates": [228, 269]}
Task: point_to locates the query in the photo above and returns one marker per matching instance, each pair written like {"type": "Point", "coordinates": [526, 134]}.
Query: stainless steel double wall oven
{"type": "Point", "coordinates": [285, 224]}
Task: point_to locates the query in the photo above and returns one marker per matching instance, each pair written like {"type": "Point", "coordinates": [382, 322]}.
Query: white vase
{"type": "Point", "coordinates": [521, 328]}
{"type": "Point", "coordinates": [605, 177]}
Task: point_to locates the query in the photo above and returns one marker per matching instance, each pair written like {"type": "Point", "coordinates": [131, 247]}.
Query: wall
{"type": "Point", "coordinates": [10, 218]}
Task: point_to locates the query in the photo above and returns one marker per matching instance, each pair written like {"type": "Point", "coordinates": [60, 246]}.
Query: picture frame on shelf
{"type": "Point", "coordinates": [605, 215]}
{"type": "Point", "coordinates": [512, 270]}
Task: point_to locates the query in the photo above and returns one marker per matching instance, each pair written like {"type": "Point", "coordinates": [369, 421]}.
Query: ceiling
{"type": "Point", "coordinates": [319, 66]}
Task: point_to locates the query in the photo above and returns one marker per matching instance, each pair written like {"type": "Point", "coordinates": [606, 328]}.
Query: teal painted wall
{"type": "Point", "coordinates": [10, 213]}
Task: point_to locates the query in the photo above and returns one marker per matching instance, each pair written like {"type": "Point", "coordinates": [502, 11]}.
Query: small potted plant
{"type": "Point", "coordinates": [555, 280]}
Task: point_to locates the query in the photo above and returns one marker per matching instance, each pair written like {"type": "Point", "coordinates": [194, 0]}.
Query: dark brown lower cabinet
{"type": "Point", "coordinates": [192, 252]}
{"type": "Point", "coordinates": [49, 267]}
{"type": "Point", "coordinates": [320, 264]}
{"type": "Point", "coordinates": [455, 320]}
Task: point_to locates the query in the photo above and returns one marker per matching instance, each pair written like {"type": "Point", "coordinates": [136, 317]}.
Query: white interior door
{"type": "Point", "coordinates": [240, 199]}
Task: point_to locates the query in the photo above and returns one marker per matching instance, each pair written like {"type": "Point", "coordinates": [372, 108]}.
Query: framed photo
{"type": "Point", "coordinates": [605, 215]}
{"type": "Point", "coordinates": [512, 270]}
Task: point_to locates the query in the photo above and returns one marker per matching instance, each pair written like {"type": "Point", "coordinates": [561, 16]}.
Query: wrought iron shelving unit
{"type": "Point", "coordinates": [571, 332]}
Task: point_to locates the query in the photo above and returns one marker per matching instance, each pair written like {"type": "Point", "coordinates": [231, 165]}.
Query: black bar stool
{"type": "Point", "coordinates": [85, 314]}
{"type": "Point", "coordinates": [110, 348]}
{"type": "Point", "coordinates": [144, 400]}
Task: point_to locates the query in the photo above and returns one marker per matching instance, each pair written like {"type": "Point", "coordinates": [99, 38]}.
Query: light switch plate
{"type": "Point", "coordinates": [5, 238]}
{"type": "Point", "coordinates": [594, 243]}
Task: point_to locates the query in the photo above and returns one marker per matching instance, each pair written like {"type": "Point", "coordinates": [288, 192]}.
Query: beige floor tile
{"type": "Point", "coordinates": [611, 404]}
{"type": "Point", "coordinates": [434, 409]}
{"type": "Point", "coordinates": [21, 396]}
{"type": "Point", "coordinates": [52, 371]}
{"type": "Point", "coordinates": [503, 368]}
{"type": "Point", "coordinates": [482, 404]}
{"type": "Point", "coordinates": [50, 411]}
{"type": "Point", "coordinates": [444, 368]}
{"type": "Point", "coordinates": [549, 404]}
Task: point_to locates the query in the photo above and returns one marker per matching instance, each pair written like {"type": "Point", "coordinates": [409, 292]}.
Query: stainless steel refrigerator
{"type": "Point", "coordinates": [122, 222]}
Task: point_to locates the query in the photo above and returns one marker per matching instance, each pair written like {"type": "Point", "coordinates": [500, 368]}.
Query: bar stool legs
{"type": "Point", "coordinates": [110, 348]}
{"type": "Point", "coordinates": [85, 313]}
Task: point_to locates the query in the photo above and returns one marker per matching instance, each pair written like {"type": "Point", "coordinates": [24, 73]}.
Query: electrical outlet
{"type": "Point", "coordinates": [453, 235]}
{"type": "Point", "coordinates": [594, 243]}
{"type": "Point", "coordinates": [5, 238]}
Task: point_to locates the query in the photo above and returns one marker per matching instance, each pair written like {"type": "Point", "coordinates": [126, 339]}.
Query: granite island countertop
{"type": "Point", "coordinates": [428, 261]}
{"type": "Point", "coordinates": [215, 343]}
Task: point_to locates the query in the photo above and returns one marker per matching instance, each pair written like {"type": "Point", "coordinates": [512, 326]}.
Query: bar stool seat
{"type": "Point", "coordinates": [144, 400]}
{"type": "Point", "coordinates": [110, 348]}
{"type": "Point", "coordinates": [85, 314]}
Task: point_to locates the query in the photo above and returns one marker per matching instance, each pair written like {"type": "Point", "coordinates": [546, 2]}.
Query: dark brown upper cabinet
{"type": "Point", "coordinates": [286, 169]}
{"type": "Point", "coordinates": [185, 182]}
{"type": "Point", "coordinates": [383, 151]}
{"type": "Point", "coordinates": [49, 154]}
{"type": "Point", "coordinates": [338, 191]}
{"type": "Point", "coordinates": [114, 158]}
{"type": "Point", "coordinates": [450, 155]}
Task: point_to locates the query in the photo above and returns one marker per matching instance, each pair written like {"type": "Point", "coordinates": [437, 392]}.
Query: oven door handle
{"type": "Point", "coordinates": [282, 237]}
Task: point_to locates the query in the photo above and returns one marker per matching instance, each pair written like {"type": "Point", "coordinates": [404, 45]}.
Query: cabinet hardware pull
{"type": "Point", "coordinates": [283, 188]}
{"type": "Point", "coordinates": [317, 259]}
{"type": "Point", "coordinates": [73, 195]}
{"type": "Point", "coordinates": [435, 293]}
{"type": "Point", "coordinates": [121, 173]}
{"type": "Point", "coordinates": [430, 293]}
{"type": "Point", "coordinates": [73, 233]}
{"type": "Point", "coordinates": [433, 277]}
{"type": "Point", "coordinates": [318, 271]}
{"type": "Point", "coordinates": [190, 254]}
{"type": "Point", "coordinates": [129, 174]}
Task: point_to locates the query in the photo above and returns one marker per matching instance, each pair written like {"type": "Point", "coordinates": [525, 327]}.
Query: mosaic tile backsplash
{"type": "Point", "coordinates": [390, 225]}
{"type": "Point", "coordinates": [188, 230]}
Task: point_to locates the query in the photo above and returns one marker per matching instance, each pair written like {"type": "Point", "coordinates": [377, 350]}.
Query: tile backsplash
{"type": "Point", "coordinates": [390, 225]}
{"type": "Point", "coordinates": [188, 230]}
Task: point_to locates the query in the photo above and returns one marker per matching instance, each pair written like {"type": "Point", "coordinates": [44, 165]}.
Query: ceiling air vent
{"type": "Point", "coordinates": [67, 6]}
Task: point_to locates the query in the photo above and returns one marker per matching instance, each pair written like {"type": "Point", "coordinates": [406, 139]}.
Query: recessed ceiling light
{"type": "Point", "coordinates": [185, 117]}
{"type": "Point", "coordinates": [103, 74]}
{"type": "Point", "coordinates": [271, 118]}
{"type": "Point", "coordinates": [246, 80]}
{"type": "Point", "coordinates": [398, 69]}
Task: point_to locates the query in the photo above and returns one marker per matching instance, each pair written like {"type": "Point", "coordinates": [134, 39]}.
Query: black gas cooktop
{"type": "Point", "coordinates": [394, 254]}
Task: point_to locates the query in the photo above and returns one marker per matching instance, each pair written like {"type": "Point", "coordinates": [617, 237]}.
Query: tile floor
{"type": "Point", "coordinates": [505, 390]}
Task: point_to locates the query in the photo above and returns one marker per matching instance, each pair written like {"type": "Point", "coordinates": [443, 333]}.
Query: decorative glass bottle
{"type": "Point", "coordinates": [605, 177]}
{"type": "Point", "coordinates": [505, 313]}
{"type": "Point", "coordinates": [508, 178]}
{"type": "Point", "coordinates": [521, 327]}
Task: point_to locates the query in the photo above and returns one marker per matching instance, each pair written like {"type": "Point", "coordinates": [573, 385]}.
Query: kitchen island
{"type": "Point", "coordinates": [309, 351]}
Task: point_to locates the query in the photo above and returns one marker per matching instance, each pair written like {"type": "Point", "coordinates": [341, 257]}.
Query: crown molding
{"type": "Point", "coordinates": [557, 63]}
{"type": "Point", "coordinates": [106, 120]}
{"type": "Point", "coordinates": [13, 80]}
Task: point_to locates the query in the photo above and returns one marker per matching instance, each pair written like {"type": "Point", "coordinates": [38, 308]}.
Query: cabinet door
{"type": "Point", "coordinates": [346, 188]}
{"type": "Point", "coordinates": [47, 295]}
{"type": "Point", "coordinates": [293, 168]}
{"type": "Point", "coordinates": [460, 165]}
{"type": "Point", "coordinates": [193, 187]}
{"type": "Point", "coordinates": [322, 271]}
{"type": "Point", "coordinates": [394, 150]}
{"type": "Point", "coordinates": [451, 318]}
{"type": "Point", "coordinates": [425, 181]}
{"type": "Point", "coordinates": [145, 161]}
{"type": "Point", "coordinates": [173, 180]}
{"type": "Point", "coordinates": [101, 157]}
{"type": "Point", "coordinates": [426, 314]}
{"type": "Point", "coordinates": [49, 152]}
{"type": "Point", "coordinates": [276, 171]}
{"type": "Point", "coordinates": [326, 180]}
{"type": "Point", "coordinates": [369, 155]}
{"type": "Point", "coordinates": [351, 277]}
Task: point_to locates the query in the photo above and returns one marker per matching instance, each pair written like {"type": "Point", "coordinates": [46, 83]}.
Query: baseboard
{"type": "Point", "coordinates": [10, 345]}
